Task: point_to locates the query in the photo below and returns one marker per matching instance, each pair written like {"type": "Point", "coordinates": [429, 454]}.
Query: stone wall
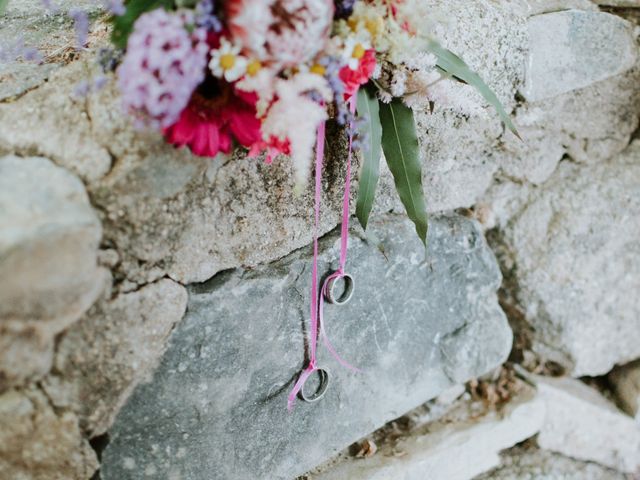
{"type": "Point", "coordinates": [153, 304]}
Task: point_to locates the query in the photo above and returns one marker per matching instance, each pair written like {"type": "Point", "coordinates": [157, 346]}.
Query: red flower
{"type": "Point", "coordinates": [215, 116]}
{"type": "Point", "coordinates": [353, 79]}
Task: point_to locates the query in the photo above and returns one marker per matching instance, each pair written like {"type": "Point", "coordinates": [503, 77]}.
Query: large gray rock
{"type": "Point", "coordinates": [573, 252]}
{"type": "Point", "coordinates": [216, 408]}
{"type": "Point", "coordinates": [49, 275]}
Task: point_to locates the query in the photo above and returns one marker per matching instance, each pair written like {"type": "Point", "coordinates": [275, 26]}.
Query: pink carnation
{"type": "Point", "coordinates": [353, 79]}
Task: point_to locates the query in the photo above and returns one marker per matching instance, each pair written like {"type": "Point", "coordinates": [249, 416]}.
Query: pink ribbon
{"type": "Point", "coordinates": [317, 298]}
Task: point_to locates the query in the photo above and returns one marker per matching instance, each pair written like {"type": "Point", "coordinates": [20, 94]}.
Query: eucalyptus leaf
{"type": "Point", "coordinates": [369, 109]}
{"type": "Point", "coordinates": [453, 65]}
{"type": "Point", "coordinates": [3, 6]}
{"type": "Point", "coordinates": [401, 149]}
{"type": "Point", "coordinates": [123, 24]}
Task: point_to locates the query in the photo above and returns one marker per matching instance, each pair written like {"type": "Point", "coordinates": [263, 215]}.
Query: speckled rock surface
{"type": "Point", "coordinates": [219, 394]}
{"type": "Point", "coordinates": [39, 444]}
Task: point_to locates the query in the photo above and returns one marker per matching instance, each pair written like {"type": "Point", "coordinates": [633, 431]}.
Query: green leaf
{"type": "Point", "coordinates": [369, 109]}
{"type": "Point", "coordinates": [401, 149]}
{"type": "Point", "coordinates": [3, 6]}
{"type": "Point", "coordinates": [456, 67]}
{"type": "Point", "coordinates": [123, 25]}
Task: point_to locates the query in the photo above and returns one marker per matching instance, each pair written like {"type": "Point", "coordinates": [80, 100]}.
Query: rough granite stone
{"type": "Point", "coordinates": [530, 463]}
{"type": "Point", "coordinates": [588, 47]}
{"type": "Point", "coordinates": [573, 252]}
{"type": "Point", "coordinates": [49, 275]}
{"type": "Point", "coordinates": [115, 346]}
{"type": "Point", "coordinates": [37, 443]}
{"type": "Point", "coordinates": [216, 408]}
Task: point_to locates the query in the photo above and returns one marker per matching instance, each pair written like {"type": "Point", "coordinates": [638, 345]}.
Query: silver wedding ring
{"type": "Point", "coordinates": [320, 390]}
{"type": "Point", "coordinates": [347, 293]}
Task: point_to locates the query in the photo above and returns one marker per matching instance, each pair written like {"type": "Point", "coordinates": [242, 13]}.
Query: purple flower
{"type": "Point", "coordinates": [359, 134]}
{"type": "Point", "coordinates": [332, 68]}
{"type": "Point", "coordinates": [205, 16]}
{"type": "Point", "coordinates": [344, 8]}
{"type": "Point", "coordinates": [81, 26]}
{"type": "Point", "coordinates": [163, 65]}
{"type": "Point", "coordinates": [114, 7]}
{"type": "Point", "coordinates": [85, 87]}
{"type": "Point", "coordinates": [108, 59]}
{"type": "Point", "coordinates": [12, 52]}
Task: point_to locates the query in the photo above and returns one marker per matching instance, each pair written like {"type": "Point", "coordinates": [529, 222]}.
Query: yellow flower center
{"type": "Point", "coordinates": [318, 69]}
{"type": "Point", "coordinates": [254, 67]}
{"type": "Point", "coordinates": [227, 61]}
{"type": "Point", "coordinates": [358, 51]}
{"type": "Point", "coordinates": [374, 25]}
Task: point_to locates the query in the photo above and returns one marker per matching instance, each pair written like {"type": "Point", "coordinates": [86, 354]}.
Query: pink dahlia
{"type": "Point", "coordinates": [216, 115]}
{"type": "Point", "coordinates": [286, 32]}
{"type": "Point", "coordinates": [163, 65]}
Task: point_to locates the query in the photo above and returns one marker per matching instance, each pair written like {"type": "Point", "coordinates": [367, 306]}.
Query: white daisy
{"type": "Point", "coordinates": [354, 49]}
{"type": "Point", "coordinates": [226, 61]}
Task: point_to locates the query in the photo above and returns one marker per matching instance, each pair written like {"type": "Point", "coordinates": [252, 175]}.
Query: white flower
{"type": "Point", "coordinates": [283, 32]}
{"type": "Point", "coordinates": [296, 117]}
{"type": "Point", "coordinates": [398, 84]}
{"type": "Point", "coordinates": [354, 49]}
{"type": "Point", "coordinates": [226, 61]}
{"type": "Point", "coordinates": [263, 84]}
{"type": "Point", "coordinates": [368, 18]}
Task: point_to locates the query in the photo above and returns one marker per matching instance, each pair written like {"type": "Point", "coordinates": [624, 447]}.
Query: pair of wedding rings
{"type": "Point", "coordinates": [332, 297]}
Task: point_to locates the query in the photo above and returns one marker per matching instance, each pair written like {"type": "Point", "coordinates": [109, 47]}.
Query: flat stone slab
{"type": "Point", "coordinates": [216, 407]}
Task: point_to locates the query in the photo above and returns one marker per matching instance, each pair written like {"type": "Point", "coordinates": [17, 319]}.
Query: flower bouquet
{"type": "Point", "coordinates": [265, 74]}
